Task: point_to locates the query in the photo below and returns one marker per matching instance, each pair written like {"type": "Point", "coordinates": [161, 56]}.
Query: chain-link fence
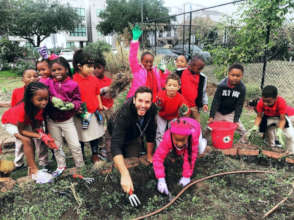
{"type": "Point", "coordinates": [198, 32]}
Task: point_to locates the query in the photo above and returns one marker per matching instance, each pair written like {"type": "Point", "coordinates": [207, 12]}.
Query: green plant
{"type": "Point", "coordinates": [10, 50]}
{"type": "Point", "coordinates": [97, 48]}
{"type": "Point", "coordinates": [22, 65]}
{"type": "Point", "coordinates": [252, 91]}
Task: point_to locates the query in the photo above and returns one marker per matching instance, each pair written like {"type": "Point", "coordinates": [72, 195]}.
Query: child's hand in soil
{"type": "Point", "coordinates": [184, 181]}
{"type": "Point", "coordinates": [161, 186]}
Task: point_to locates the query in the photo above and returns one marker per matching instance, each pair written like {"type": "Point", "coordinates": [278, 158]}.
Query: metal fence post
{"type": "Point", "coordinates": [268, 32]}
{"type": "Point", "coordinates": [155, 38]}
{"type": "Point", "coordinates": [190, 30]}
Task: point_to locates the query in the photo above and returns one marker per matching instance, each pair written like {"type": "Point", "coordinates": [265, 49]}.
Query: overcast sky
{"type": "Point", "coordinates": [180, 4]}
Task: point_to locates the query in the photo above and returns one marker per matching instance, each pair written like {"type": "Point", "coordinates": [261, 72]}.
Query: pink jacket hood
{"type": "Point", "coordinates": [166, 146]}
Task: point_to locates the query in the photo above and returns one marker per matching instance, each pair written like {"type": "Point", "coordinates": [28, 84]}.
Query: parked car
{"type": "Point", "coordinates": [195, 51]}
{"type": "Point", "coordinates": [165, 52]}
{"type": "Point", "coordinates": [68, 55]}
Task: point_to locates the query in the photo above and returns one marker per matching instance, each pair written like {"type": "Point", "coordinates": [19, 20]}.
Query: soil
{"type": "Point", "coordinates": [229, 197]}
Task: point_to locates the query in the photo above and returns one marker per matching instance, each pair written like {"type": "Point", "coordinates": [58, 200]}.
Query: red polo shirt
{"type": "Point", "coordinates": [289, 110]}
{"type": "Point", "coordinates": [277, 109]}
{"type": "Point", "coordinates": [169, 105]}
{"type": "Point", "coordinates": [17, 115]}
{"type": "Point", "coordinates": [103, 83]}
{"type": "Point", "coordinates": [17, 96]}
{"type": "Point", "coordinates": [89, 89]}
{"type": "Point", "coordinates": [189, 87]}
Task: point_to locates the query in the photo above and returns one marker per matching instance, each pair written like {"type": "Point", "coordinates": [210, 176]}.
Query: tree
{"type": "Point", "coordinates": [119, 13]}
{"type": "Point", "coordinates": [10, 50]}
{"type": "Point", "coordinates": [35, 20]}
{"type": "Point", "coordinates": [257, 33]}
{"type": "Point", "coordinates": [97, 48]}
{"type": "Point", "coordinates": [4, 16]}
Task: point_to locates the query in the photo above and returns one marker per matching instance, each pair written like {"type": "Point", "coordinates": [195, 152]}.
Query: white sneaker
{"type": "Point", "coordinates": [42, 177]}
{"type": "Point", "coordinates": [58, 172]}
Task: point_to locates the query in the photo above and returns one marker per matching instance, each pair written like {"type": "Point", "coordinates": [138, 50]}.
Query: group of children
{"type": "Point", "coordinates": [71, 108]}
{"type": "Point", "coordinates": [54, 106]}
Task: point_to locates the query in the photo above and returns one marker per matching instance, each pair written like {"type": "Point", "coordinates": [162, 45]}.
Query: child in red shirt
{"type": "Point", "coordinates": [90, 94]}
{"type": "Point", "coordinates": [24, 121]}
{"type": "Point", "coordinates": [107, 101]}
{"type": "Point", "coordinates": [28, 76]}
{"type": "Point", "coordinates": [271, 116]}
{"type": "Point", "coordinates": [170, 103]}
{"type": "Point", "coordinates": [194, 87]}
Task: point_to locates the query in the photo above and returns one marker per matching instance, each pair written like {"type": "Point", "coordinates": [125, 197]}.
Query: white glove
{"type": "Point", "coordinates": [161, 186]}
{"type": "Point", "coordinates": [184, 181]}
{"type": "Point", "coordinates": [202, 144]}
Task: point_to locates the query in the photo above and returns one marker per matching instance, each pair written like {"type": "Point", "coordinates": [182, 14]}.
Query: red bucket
{"type": "Point", "coordinates": [222, 134]}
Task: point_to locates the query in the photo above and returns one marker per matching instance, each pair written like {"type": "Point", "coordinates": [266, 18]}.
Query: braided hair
{"type": "Point", "coordinates": [30, 110]}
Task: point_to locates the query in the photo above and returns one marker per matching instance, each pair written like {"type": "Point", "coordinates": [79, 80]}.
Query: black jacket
{"type": "Point", "coordinates": [124, 126]}
{"type": "Point", "coordinates": [226, 99]}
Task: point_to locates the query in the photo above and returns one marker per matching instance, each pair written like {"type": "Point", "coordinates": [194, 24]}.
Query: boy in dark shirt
{"type": "Point", "coordinates": [229, 98]}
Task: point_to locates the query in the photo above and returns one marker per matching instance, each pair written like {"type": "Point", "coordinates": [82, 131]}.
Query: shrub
{"type": "Point", "coordinates": [10, 50]}
{"type": "Point", "coordinates": [252, 91]}
{"type": "Point", "coordinates": [97, 48]}
{"type": "Point", "coordinates": [21, 65]}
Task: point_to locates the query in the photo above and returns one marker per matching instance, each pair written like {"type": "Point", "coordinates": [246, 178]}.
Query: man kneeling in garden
{"type": "Point", "coordinates": [134, 120]}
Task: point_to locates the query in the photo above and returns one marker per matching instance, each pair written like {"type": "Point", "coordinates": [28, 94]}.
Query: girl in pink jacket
{"type": "Point", "coordinates": [185, 139]}
{"type": "Point", "coordinates": [144, 74]}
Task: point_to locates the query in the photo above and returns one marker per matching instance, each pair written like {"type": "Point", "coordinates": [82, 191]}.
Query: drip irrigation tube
{"type": "Point", "coordinates": [195, 182]}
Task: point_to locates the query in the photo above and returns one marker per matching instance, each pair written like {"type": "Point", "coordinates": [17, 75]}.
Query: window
{"type": "Point", "coordinates": [79, 31]}
{"type": "Point", "coordinates": [80, 11]}
{"type": "Point", "coordinates": [70, 44]}
{"type": "Point", "coordinates": [98, 12]}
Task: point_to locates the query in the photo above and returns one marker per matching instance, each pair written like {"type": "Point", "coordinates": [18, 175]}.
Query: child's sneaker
{"type": "Point", "coordinates": [277, 143]}
{"type": "Point", "coordinates": [58, 172]}
{"type": "Point", "coordinates": [42, 177]}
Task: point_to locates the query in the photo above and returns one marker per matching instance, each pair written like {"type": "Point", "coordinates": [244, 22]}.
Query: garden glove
{"type": "Point", "coordinates": [57, 102]}
{"type": "Point", "coordinates": [161, 186]}
{"type": "Point", "coordinates": [184, 181]}
{"type": "Point", "coordinates": [47, 139]}
{"type": "Point", "coordinates": [6, 166]}
{"type": "Point", "coordinates": [280, 136]}
{"type": "Point", "coordinates": [183, 110]}
{"type": "Point", "coordinates": [68, 106]}
{"type": "Point", "coordinates": [159, 104]}
{"type": "Point", "coordinates": [162, 67]}
{"type": "Point", "coordinates": [99, 117]}
{"type": "Point", "coordinates": [253, 130]}
{"type": "Point", "coordinates": [137, 32]}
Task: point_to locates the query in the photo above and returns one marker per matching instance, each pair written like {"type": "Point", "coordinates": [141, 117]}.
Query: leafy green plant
{"type": "Point", "coordinates": [97, 48]}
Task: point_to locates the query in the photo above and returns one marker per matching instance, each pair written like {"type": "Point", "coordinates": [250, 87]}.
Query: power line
{"type": "Point", "coordinates": [201, 9]}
